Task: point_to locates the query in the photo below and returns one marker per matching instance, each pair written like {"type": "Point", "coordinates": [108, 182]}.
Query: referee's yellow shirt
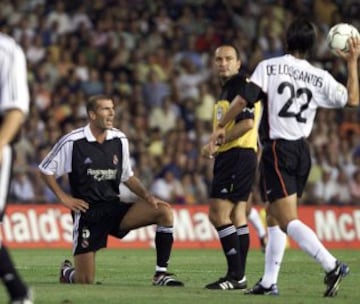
{"type": "Point", "coordinates": [250, 138]}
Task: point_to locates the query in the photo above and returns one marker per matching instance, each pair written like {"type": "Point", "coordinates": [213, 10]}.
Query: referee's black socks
{"type": "Point", "coordinates": [244, 243]}
{"type": "Point", "coordinates": [230, 245]}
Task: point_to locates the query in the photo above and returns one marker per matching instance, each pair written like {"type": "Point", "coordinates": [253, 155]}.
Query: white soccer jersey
{"type": "Point", "coordinates": [14, 94]}
{"type": "Point", "coordinates": [295, 89]}
{"type": "Point", "coordinates": [14, 91]}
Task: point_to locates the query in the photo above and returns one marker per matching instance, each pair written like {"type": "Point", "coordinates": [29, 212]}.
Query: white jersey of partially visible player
{"type": "Point", "coordinates": [14, 94]}
{"type": "Point", "coordinates": [295, 89]}
{"type": "Point", "coordinates": [14, 91]}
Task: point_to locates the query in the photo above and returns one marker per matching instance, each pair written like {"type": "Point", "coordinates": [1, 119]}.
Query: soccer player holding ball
{"type": "Point", "coordinates": [292, 89]}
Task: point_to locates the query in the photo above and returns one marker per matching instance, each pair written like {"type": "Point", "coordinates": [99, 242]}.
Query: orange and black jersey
{"type": "Point", "coordinates": [238, 85]}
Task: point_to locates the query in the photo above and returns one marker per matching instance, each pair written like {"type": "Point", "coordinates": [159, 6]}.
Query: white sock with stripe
{"type": "Point", "coordinates": [274, 254]}
{"type": "Point", "coordinates": [308, 241]}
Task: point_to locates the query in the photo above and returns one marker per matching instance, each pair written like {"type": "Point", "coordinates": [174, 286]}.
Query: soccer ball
{"type": "Point", "coordinates": [338, 36]}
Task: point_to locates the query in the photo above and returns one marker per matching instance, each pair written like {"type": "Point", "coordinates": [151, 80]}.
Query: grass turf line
{"type": "Point", "coordinates": [126, 278]}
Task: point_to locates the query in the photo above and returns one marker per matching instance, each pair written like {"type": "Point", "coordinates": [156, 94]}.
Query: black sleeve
{"type": "Point", "coordinates": [243, 87]}
{"type": "Point", "coordinates": [248, 90]}
{"type": "Point", "coordinates": [251, 93]}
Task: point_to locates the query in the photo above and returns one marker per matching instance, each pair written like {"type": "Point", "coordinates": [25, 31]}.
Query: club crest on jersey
{"type": "Point", "coordinates": [85, 233]}
{"type": "Point", "coordinates": [219, 113]}
{"type": "Point", "coordinates": [115, 160]}
{"type": "Point", "coordinates": [85, 244]}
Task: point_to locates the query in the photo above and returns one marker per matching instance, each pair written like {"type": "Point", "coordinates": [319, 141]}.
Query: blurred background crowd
{"type": "Point", "coordinates": [155, 58]}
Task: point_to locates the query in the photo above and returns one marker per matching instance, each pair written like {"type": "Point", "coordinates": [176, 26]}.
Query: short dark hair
{"type": "Point", "coordinates": [92, 102]}
{"type": "Point", "coordinates": [237, 52]}
{"type": "Point", "coordinates": [300, 36]}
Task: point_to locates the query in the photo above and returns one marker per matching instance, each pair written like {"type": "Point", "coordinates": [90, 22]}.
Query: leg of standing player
{"type": "Point", "coordinates": [284, 210]}
{"type": "Point", "coordinates": [221, 214]}
{"type": "Point", "coordinates": [239, 219]}
{"type": "Point", "coordinates": [274, 253]}
{"type": "Point", "coordinates": [255, 219]}
{"type": "Point", "coordinates": [14, 285]}
{"type": "Point", "coordinates": [283, 190]}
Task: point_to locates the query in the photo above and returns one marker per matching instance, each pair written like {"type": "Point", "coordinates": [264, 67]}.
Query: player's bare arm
{"type": "Point", "coordinates": [216, 139]}
{"type": "Point", "coordinates": [205, 152]}
{"type": "Point", "coordinates": [68, 201]}
{"type": "Point", "coordinates": [138, 188]}
{"type": "Point", "coordinates": [13, 120]}
{"type": "Point", "coordinates": [239, 130]}
{"type": "Point", "coordinates": [351, 58]}
{"type": "Point", "coordinates": [236, 106]}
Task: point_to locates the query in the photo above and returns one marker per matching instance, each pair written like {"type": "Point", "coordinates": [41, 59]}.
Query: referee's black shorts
{"type": "Point", "coordinates": [234, 174]}
{"type": "Point", "coordinates": [284, 168]}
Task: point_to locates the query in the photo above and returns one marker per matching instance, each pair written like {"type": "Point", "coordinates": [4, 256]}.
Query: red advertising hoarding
{"type": "Point", "coordinates": [46, 226]}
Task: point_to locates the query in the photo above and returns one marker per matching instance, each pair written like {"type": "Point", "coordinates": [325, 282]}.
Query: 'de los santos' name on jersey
{"type": "Point", "coordinates": [296, 74]}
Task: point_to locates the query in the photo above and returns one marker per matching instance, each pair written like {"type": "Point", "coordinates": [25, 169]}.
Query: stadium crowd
{"type": "Point", "coordinates": [153, 57]}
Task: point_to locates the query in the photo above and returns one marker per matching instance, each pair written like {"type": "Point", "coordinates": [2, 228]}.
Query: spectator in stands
{"type": "Point", "coordinates": [60, 17]}
{"type": "Point", "coordinates": [355, 188]}
{"type": "Point", "coordinates": [324, 11]}
{"type": "Point", "coordinates": [189, 79]}
{"type": "Point", "coordinates": [81, 18]}
{"type": "Point", "coordinates": [36, 51]}
{"type": "Point", "coordinates": [164, 116]}
{"type": "Point", "coordinates": [342, 195]}
{"type": "Point", "coordinates": [325, 189]}
{"type": "Point", "coordinates": [94, 85]}
{"type": "Point", "coordinates": [205, 105]}
{"type": "Point", "coordinates": [168, 187]}
{"type": "Point", "coordinates": [21, 188]}
{"type": "Point", "coordinates": [154, 90]}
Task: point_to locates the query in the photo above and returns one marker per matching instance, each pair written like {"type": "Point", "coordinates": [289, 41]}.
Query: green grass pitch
{"type": "Point", "coordinates": [125, 277]}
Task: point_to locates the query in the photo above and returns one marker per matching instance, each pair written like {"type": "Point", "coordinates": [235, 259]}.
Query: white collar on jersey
{"type": "Point", "coordinates": [90, 137]}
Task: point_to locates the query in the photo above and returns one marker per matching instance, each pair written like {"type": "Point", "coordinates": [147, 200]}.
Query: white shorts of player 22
{"type": "Point", "coordinates": [5, 171]}
{"type": "Point", "coordinates": [338, 36]}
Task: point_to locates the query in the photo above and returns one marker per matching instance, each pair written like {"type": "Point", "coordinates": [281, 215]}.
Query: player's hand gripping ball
{"type": "Point", "coordinates": [338, 36]}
